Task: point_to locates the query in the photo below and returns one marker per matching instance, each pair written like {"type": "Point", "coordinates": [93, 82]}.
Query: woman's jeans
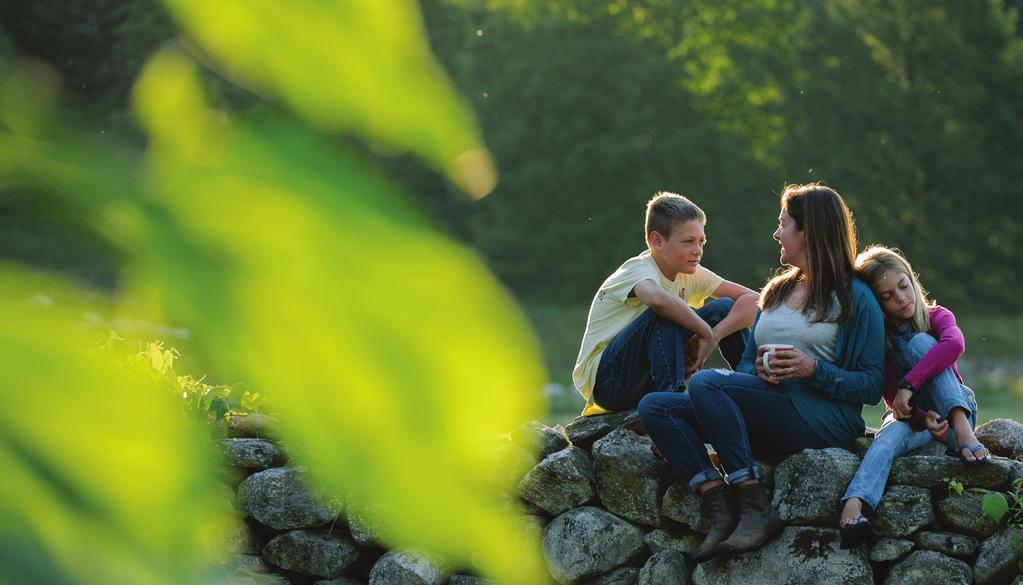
{"type": "Point", "coordinates": [729, 410]}
{"type": "Point", "coordinates": [941, 394]}
{"type": "Point", "coordinates": [649, 354]}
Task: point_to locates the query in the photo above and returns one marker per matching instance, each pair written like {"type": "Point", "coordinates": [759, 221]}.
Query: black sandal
{"type": "Point", "coordinates": [855, 533]}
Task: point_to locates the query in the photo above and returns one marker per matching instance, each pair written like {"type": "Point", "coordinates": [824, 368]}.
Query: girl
{"type": "Point", "coordinates": [925, 395]}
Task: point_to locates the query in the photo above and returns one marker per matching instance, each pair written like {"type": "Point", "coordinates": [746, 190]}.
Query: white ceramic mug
{"type": "Point", "coordinates": [769, 349]}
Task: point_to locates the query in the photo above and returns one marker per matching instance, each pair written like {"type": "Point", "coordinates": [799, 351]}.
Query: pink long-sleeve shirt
{"type": "Point", "coordinates": [950, 346]}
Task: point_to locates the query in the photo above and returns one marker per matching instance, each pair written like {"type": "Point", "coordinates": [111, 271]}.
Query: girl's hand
{"type": "Point", "coordinates": [791, 364]}
{"type": "Point", "coordinates": [901, 407]}
{"type": "Point", "coordinates": [939, 430]}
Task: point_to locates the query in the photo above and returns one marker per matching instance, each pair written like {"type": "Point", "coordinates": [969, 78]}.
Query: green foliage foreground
{"type": "Point", "coordinates": [392, 355]}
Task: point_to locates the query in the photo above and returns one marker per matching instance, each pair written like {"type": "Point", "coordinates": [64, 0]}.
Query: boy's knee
{"type": "Point", "coordinates": [920, 344]}
{"type": "Point", "coordinates": [716, 310]}
{"type": "Point", "coordinates": [649, 406]}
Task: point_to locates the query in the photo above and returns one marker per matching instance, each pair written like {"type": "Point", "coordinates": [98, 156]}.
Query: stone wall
{"type": "Point", "coordinates": [612, 514]}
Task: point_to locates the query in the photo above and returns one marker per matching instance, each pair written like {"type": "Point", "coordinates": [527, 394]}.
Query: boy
{"type": "Point", "coordinates": [642, 333]}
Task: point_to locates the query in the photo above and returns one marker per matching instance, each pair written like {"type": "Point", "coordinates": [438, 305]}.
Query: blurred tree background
{"type": "Point", "coordinates": [912, 109]}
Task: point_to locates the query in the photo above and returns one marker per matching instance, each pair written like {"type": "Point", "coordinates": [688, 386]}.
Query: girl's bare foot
{"type": "Point", "coordinates": [965, 436]}
{"type": "Point", "coordinates": [852, 510]}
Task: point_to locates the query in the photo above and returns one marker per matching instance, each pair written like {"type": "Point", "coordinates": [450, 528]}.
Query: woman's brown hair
{"type": "Point", "coordinates": [826, 222]}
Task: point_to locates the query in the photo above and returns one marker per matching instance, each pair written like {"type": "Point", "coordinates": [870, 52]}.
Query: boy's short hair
{"type": "Point", "coordinates": [667, 210]}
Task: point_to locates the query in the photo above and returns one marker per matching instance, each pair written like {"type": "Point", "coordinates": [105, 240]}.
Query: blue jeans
{"type": "Point", "coordinates": [648, 355]}
{"type": "Point", "coordinates": [730, 411]}
{"type": "Point", "coordinates": [941, 394]}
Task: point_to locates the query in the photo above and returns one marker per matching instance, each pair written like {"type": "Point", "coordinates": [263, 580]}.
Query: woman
{"type": "Point", "coordinates": [924, 343]}
{"type": "Point", "coordinates": [813, 396]}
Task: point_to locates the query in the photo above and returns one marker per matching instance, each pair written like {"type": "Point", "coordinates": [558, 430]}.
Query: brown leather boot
{"type": "Point", "coordinates": [757, 520]}
{"type": "Point", "coordinates": [718, 503]}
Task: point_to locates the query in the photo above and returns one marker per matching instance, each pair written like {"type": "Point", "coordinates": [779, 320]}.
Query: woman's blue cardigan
{"type": "Point", "coordinates": [831, 402]}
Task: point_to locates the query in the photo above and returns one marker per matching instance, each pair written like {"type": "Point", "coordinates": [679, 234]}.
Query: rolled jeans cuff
{"type": "Point", "coordinates": [711, 474]}
{"type": "Point", "coordinates": [741, 475]}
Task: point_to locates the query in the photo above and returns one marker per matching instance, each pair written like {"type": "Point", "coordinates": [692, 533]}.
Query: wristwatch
{"type": "Point", "coordinates": [906, 385]}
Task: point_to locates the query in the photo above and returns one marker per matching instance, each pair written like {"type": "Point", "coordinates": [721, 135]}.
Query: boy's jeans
{"type": "Point", "coordinates": [895, 438]}
{"type": "Point", "coordinates": [648, 355]}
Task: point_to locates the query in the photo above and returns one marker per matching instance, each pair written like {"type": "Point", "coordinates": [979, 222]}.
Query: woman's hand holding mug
{"type": "Point", "coordinates": [781, 361]}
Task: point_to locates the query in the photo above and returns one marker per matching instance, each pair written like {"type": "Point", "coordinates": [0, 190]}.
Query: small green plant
{"type": "Point", "coordinates": [998, 506]}
{"type": "Point", "coordinates": [955, 486]}
{"type": "Point", "coordinates": [212, 402]}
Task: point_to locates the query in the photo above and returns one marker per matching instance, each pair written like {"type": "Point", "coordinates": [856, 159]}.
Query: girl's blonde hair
{"type": "Point", "coordinates": [873, 263]}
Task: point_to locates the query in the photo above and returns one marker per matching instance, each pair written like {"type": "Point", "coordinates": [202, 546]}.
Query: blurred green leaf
{"type": "Point", "coordinates": [359, 65]}
{"type": "Point", "coordinates": [393, 356]}
{"type": "Point", "coordinates": [105, 481]}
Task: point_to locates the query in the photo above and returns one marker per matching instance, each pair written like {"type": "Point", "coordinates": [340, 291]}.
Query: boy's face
{"type": "Point", "coordinates": [682, 251]}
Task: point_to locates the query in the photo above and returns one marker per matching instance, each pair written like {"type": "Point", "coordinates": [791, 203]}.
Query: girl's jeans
{"type": "Point", "coordinates": [943, 393]}
{"type": "Point", "coordinates": [728, 410]}
{"type": "Point", "coordinates": [649, 354]}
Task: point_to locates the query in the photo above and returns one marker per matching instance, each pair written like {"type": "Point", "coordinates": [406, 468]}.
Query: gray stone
{"type": "Point", "coordinates": [683, 506]}
{"type": "Point", "coordinates": [809, 486]}
{"type": "Point", "coordinates": [890, 549]}
{"type": "Point", "coordinates": [312, 553]}
{"type": "Point", "coordinates": [930, 472]}
{"type": "Point", "coordinates": [469, 580]}
{"type": "Point", "coordinates": [964, 514]}
{"type": "Point", "coordinates": [802, 555]}
{"type": "Point", "coordinates": [903, 510]}
{"type": "Point", "coordinates": [630, 479]}
{"type": "Point", "coordinates": [999, 558]}
{"type": "Point", "coordinates": [563, 480]}
{"type": "Point", "coordinates": [861, 444]}
{"type": "Point", "coordinates": [537, 436]}
{"type": "Point", "coordinates": [405, 567]}
{"type": "Point", "coordinates": [339, 581]}
{"type": "Point", "coordinates": [767, 472]}
{"type": "Point", "coordinates": [534, 523]}
{"type": "Point", "coordinates": [926, 567]}
{"type": "Point", "coordinates": [932, 449]}
{"type": "Point", "coordinates": [633, 423]}
{"type": "Point", "coordinates": [532, 509]}
{"type": "Point", "coordinates": [251, 564]}
{"type": "Point", "coordinates": [362, 523]}
{"type": "Point", "coordinates": [1002, 436]}
{"type": "Point", "coordinates": [584, 430]}
{"type": "Point", "coordinates": [247, 578]}
{"type": "Point", "coordinates": [946, 543]}
{"type": "Point", "coordinates": [667, 566]}
{"type": "Point", "coordinates": [255, 454]}
{"type": "Point", "coordinates": [619, 576]}
{"type": "Point", "coordinates": [682, 541]}
{"type": "Point", "coordinates": [241, 539]}
{"type": "Point", "coordinates": [512, 463]}
{"type": "Point", "coordinates": [585, 542]}
{"type": "Point", "coordinates": [278, 498]}
{"type": "Point", "coordinates": [252, 426]}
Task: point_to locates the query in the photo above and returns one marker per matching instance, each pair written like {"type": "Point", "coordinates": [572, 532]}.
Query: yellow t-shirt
{"type": "Point", "coordinates": [612, 309]}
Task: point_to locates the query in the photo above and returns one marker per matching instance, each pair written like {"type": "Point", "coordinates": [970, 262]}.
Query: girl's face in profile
{"type": "Point", "coordinates": [896, 296]}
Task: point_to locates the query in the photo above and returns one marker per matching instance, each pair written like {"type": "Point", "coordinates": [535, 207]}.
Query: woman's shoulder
{"type": "Point", "coordinates": [860, 290]}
